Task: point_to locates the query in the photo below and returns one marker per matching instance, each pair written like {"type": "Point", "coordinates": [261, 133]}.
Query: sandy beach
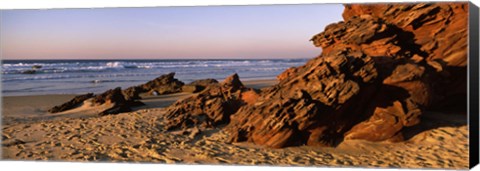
{"type": "Point", "coordinates": [30, 133]}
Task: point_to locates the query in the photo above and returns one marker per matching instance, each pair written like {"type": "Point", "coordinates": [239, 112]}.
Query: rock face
{"type": "Point", "coordinates": [75, 102]}
{"type": "Point", "coordinates": [315, 107]}
{"type": "Point", "coordinates": [440, 29]}
{"type": "Point", "coordinates": [439, 32]}
{"type": "Point", "coordinates": [211, 107]}
{"type": "Point", "coordinates": [378, 71]}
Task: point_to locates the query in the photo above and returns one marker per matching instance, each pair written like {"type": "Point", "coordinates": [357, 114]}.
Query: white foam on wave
{"type": "Point", "coordinates": [114, 64]}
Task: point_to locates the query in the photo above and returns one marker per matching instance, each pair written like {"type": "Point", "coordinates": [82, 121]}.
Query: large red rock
{"type": "Point", "coordinates": [379, 70]}
{"type": "Point", "coordinates": [315, 107]}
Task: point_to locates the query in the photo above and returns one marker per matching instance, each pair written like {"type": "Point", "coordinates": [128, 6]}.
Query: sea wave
{"type": "Point", "coordinates": [60, 76]}
{"type": "Point", "coordinates": [85, 66]}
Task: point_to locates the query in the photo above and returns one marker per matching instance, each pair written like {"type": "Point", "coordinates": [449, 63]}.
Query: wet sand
{"type": "Point", "coordinates": [29, 133]}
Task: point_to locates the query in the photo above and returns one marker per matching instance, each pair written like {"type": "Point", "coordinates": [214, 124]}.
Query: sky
{"type": "Point", "coordinates": [230, 32]}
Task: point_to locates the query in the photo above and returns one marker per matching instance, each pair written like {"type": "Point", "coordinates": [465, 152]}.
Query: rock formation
{"type": "Point", "coordinates": [122, 101]}
{"type": "Point", "coordinates": [110, 96]}
{"type": "Point", "coordinates": [113, 97]}
{"type": "Point", "coordinates": [211, 107]}
{"type": "Point", "coordinates": [379, 70]}
{"type": "Point", "coordinates": [315, 107]}
{"type": "Point", "coordinates": [118, 101]}
{"type": "Point", "coordinates": [75, 102]}
{"type": "Point", "coordinates": [165, 84]}
{"type": "Point", "coordinates": [132, 93]}
{"type": "Point", "coordinates": [439, 32]}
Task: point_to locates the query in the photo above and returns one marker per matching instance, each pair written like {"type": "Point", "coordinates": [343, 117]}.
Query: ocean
{"type": "Point", "coordinates": [83, 76]}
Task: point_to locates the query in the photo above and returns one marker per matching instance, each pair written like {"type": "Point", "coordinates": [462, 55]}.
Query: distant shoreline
{"type": "Point", "coordinates": [251, 83]}
{"type": "Point", "coordinates": [31, 77]}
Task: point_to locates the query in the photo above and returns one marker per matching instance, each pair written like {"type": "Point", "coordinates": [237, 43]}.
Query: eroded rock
{"type": "Point", "coordinates": [165, 84]}
{"type": "Point", "coordinates": [123, 101]}
{"type": "Point", "coordinates": [211, 107]}
{"type": "Point", "coordinates": [378, 71]}
{"type": "Point", "coordinates": [324, 97]}
{"type": "Point", "coordinates": [133, 93]}
{"type": "Point", "coordinates": [75, 102]}
{"type": "Point", "coordinates": [116, 98]}
{"type": "Point", "coordinates": [110, 96]}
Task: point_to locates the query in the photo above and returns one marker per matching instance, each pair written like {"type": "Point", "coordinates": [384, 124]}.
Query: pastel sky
{"type": "Point", "coordinates": [278, 31]}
